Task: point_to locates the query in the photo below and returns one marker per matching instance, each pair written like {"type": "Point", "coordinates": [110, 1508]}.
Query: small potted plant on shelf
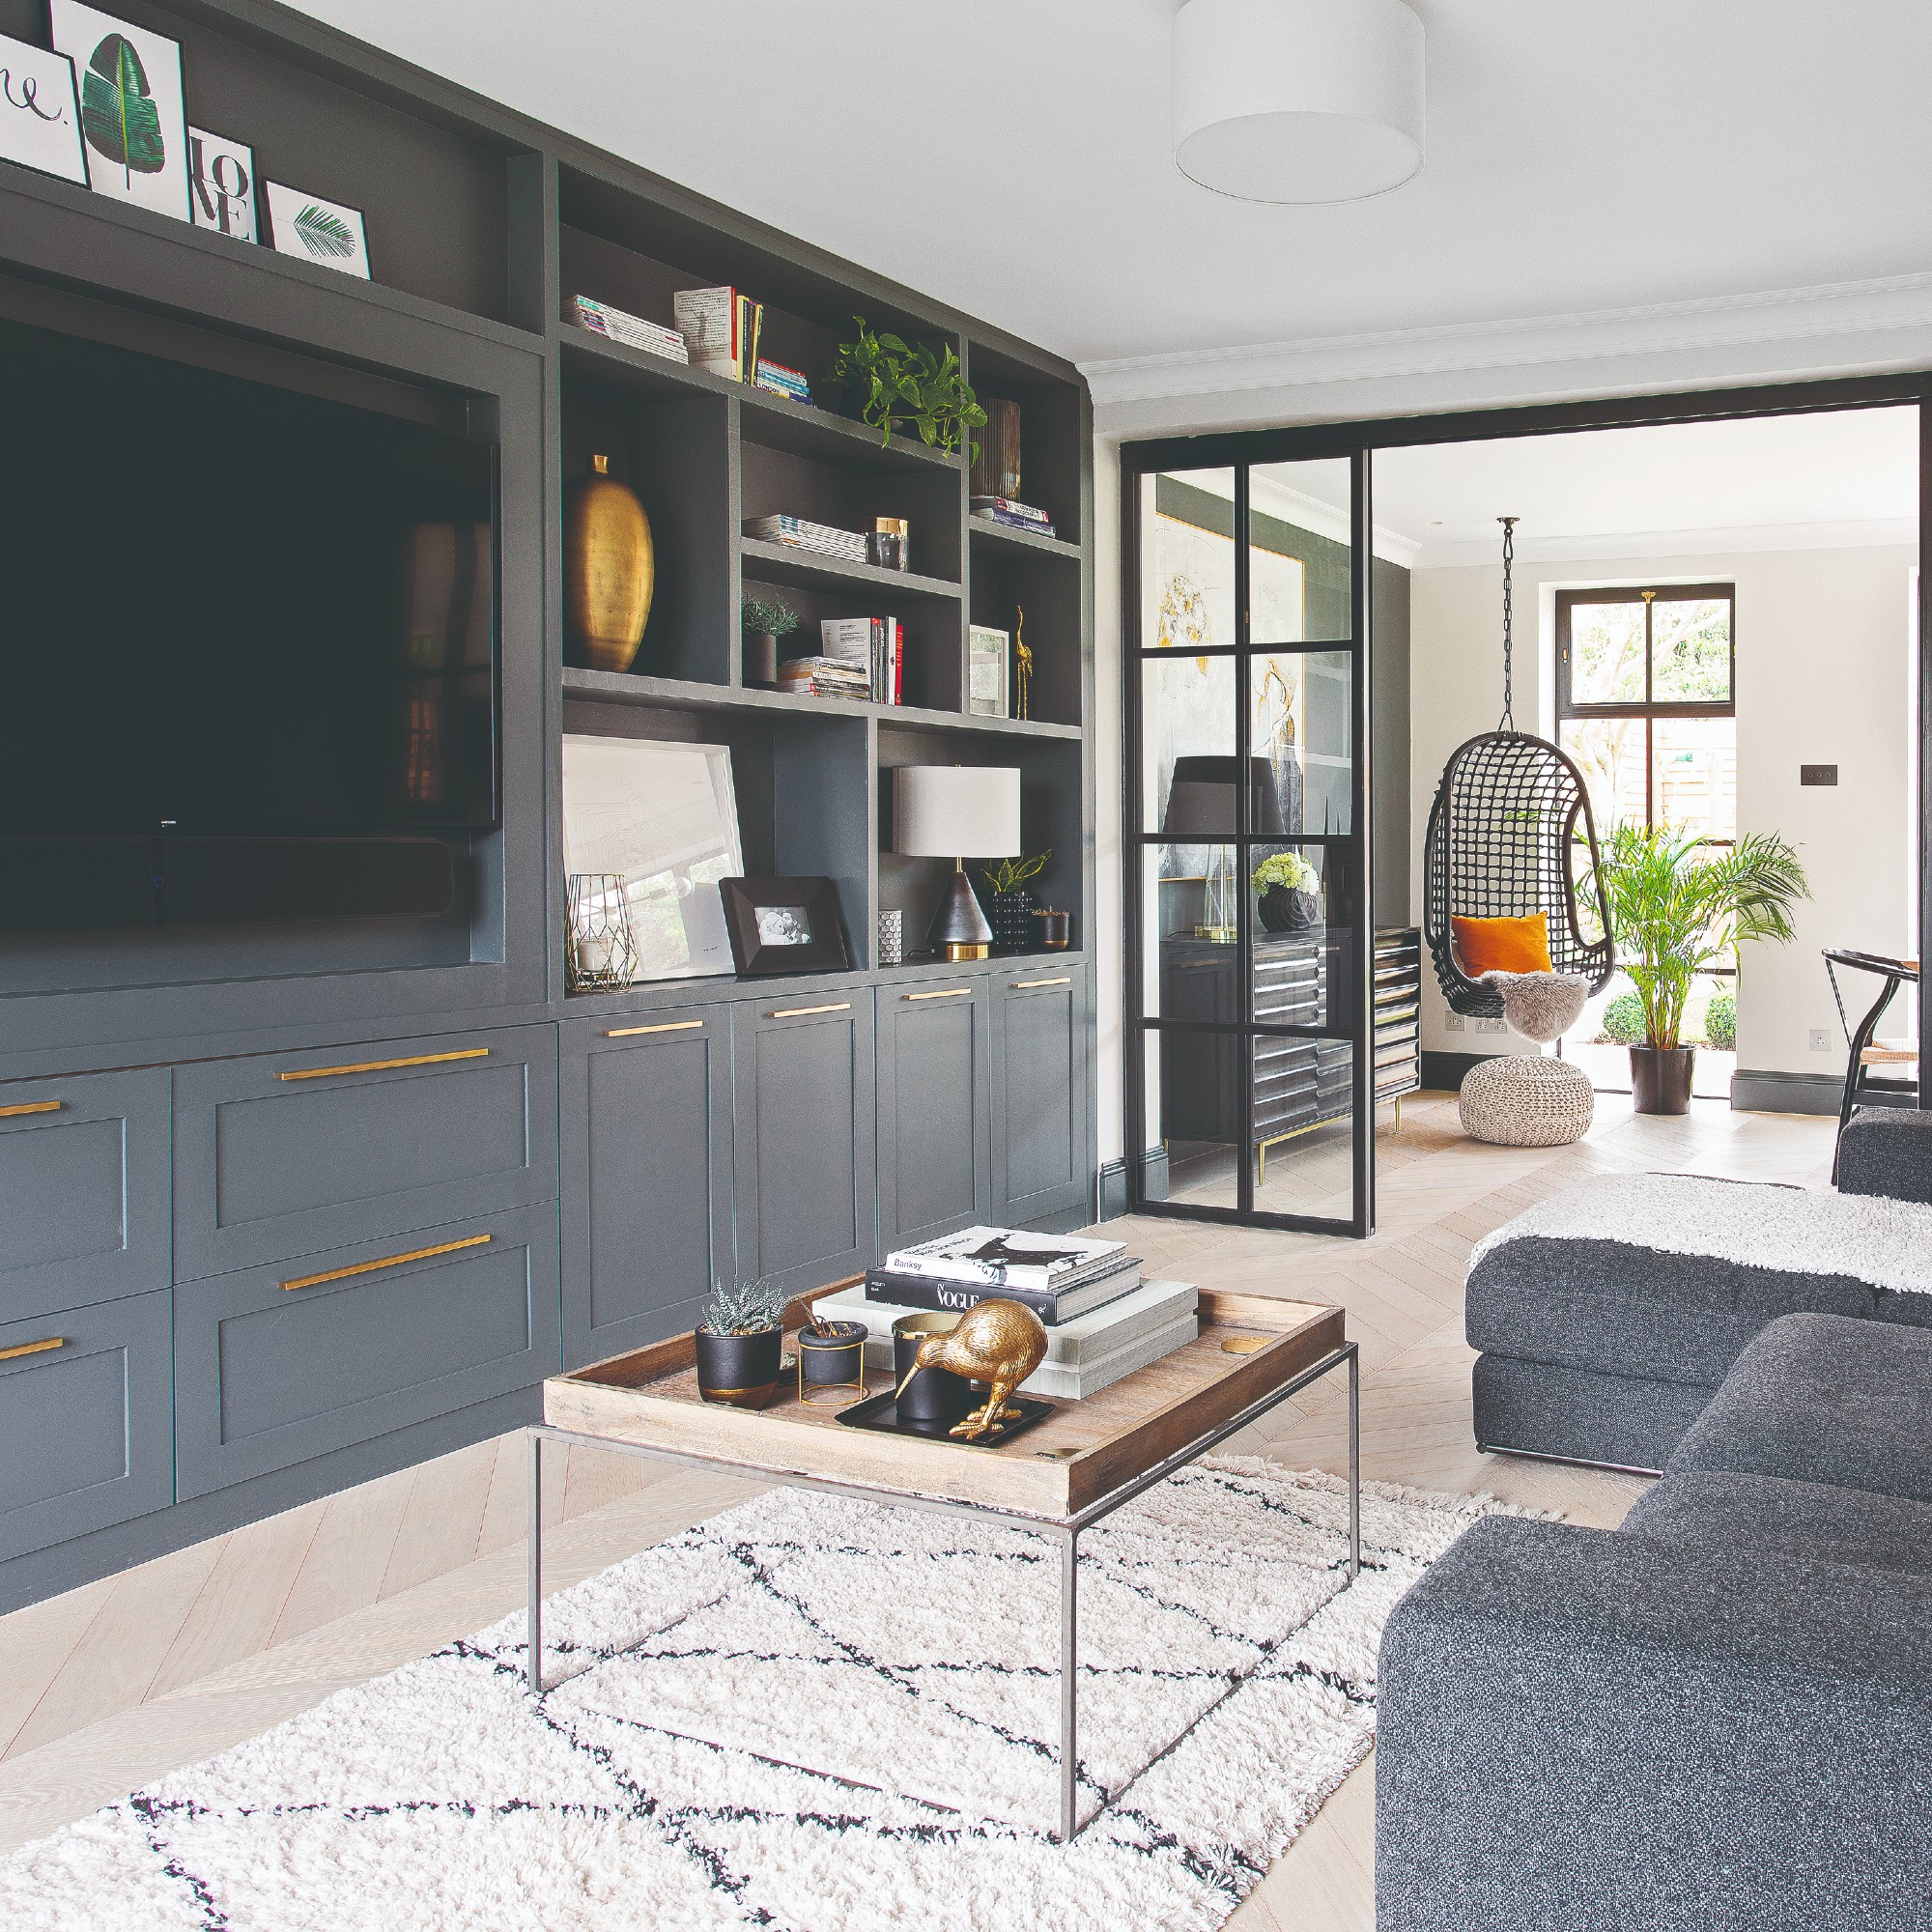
{"type": "Point", "coordinates": [766, 620]}
{"type": "Point", "coordinates": [1011, 910]}
{"type": "Point", "coordinates": [830, 1359]}
{"type": "Point", "coordinates": [740, 1343]}
{"type": "Point", "coordinates": [1288, 887]}
{"type": "Point", "coordinates": [1678, 907]}
{"type": "Point", "coordinates": [909, 385]}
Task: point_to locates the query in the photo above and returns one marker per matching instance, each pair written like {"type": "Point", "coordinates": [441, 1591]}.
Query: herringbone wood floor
{"type": "Point", "coordinates": [113, 1684]}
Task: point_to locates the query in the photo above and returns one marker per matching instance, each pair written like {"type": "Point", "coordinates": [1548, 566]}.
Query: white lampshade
{"type": "Point", "coordinates": [1297, 100]}
{"type": "Point", "coordinates": [954, 811]}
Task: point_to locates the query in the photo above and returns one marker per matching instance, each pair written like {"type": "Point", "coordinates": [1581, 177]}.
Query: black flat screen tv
{"type": "Point", "coordinates": [229, 608]}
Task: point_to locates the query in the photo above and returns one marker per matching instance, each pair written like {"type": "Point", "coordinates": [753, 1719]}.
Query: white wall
{"type": "Point", "coordinates": [1107, 945]}
{"type": "Point", "coordinates": [1822, 669]}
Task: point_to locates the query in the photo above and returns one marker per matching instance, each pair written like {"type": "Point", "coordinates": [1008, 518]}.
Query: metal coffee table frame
{"type": "Point", "coordinates": [1065, 1531]}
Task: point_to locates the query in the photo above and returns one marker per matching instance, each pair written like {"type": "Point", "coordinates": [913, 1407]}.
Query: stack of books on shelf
{"type": "Point", "coordinates": [633, 330]}
{"type": "Point", "coordinates": [877, 643]}
{"type": "Point", "coordinates": [781, 381]}
{"type": "Point", "coordinates": [847, 545]}
{"type": "Point", "coordinates": [1102, 1321]}
{"type": "Point", "coordinates": [1012, 515]}
{"type": "Point", "coordinates": [721, 327]}
{"type": "Point", "coordinates": [825, 677]}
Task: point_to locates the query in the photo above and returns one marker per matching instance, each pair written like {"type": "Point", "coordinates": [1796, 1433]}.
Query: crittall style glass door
{"type": "Point", "coordinates": [1249, 1073]}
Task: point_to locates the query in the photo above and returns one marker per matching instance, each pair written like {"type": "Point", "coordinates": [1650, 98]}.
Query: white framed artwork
{"type": "Point", "coordinates": [329, 233]}
{"type": "Point", "coordinates": [664, 815]}
{"type": "Point", "coordinates": [40, 112]}
{"type": "Point", "coordinates": [131, 114]}
{"type": "Point", "coordinates": [221, 183]}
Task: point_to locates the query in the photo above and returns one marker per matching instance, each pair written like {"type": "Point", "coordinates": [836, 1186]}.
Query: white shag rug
{"type": "Point", "coordinates": [757, 1722]}
{"type": "Point", "coordinates": [1810, 1230]}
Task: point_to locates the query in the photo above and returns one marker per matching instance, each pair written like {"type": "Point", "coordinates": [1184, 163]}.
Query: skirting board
{"type": "Point", "coordinates": [1770, 1093]}
{"type": "Point", "coordinates": [1114, 1183]}
{"type": "Point", "coordinates": [1445, 1072]}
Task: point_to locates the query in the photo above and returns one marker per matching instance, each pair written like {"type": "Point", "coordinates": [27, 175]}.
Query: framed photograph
{"type": "Point", "coordinates": [316, 230]}
{"type": "Point", "coordinates": [221, 184]}
{"type": "Point", "coordinates": [40, 112]}
{"type": "Point", "coordinates": [784, 925]}
{"type": "Point", "coordinates": [663, 817]}
{"type": "Point", "coordinates": [987, 652]}
{"type": "Point", "coordinates": [131, 116]}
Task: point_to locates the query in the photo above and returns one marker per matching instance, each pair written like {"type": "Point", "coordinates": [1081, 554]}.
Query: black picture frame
{"type": "Point", "coordinates": [812, 904]}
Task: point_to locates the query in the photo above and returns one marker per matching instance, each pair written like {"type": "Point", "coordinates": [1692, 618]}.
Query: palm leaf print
{"type": "Point", "coordinates": [118, 113]}
{"type": "Point", "coordinates": [325, 233]}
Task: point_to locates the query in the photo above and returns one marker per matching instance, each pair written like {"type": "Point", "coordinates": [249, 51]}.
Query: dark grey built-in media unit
{"type": "Point", "coordinates": [286, 1203]}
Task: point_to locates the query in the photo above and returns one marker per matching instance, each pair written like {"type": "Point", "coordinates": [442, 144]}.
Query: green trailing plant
{"type": "Point", "coordinates": [1623, 1021]}
{"type": "Point", "coordinates": [117, 111]}
{"type": "Point", "coordinates": [744, 1307]}
{"type": "Point", "coordinates": [1721, 1022]}
{"type": "Point", "coordinates": [1679, 907]}
{"type": "Point", "coordinates": [910, 385]}
{"type": "Point", "coordinates": [773, 616]}
{"type": "Point", "coordinates": [1011, 874]}
{"type": "Point", "coordinates": [1285, 868]}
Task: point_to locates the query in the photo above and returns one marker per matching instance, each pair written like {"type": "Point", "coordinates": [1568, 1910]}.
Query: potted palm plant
{"type": "Point", "coordinates": [1678, 906]}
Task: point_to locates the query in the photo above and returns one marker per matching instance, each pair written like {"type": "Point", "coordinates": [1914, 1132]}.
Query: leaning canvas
{"type": "Point", "coordinates": [328, 233]}
{"type": "Point", "coordinates": [40, 112]}
{"type": "Point", "coordinates": [131, 113]}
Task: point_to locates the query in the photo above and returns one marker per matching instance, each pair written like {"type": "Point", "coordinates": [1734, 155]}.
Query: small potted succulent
{"type": "Point", "coordinates": [1288, 887]}
{"type": "Point", "coordinates": [740, 1343]}
{"type": "Point", "coordinates": [767, 619]}
{"type": "Point", "coordinates": [1011, 910]}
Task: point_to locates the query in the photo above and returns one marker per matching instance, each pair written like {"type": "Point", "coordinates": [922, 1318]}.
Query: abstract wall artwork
{"type": "Point", "coordinates": [131, 115]}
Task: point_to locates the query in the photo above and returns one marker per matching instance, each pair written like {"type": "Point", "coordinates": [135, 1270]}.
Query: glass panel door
{"type": "Point", "coordinates": [1249, 1079]}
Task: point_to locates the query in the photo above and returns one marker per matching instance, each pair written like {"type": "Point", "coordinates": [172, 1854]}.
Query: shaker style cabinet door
{"type": "Point", "coordinates": [646, 1151]}
{"type": "Point", "coordinates": [934, 1109]}
{"type": "Point", "coordinates": [1042, 1131]}
{"type": "Point", "coordinates": [802, 1084]}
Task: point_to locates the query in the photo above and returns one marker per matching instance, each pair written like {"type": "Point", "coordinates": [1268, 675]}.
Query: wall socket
{"type": "Point", "coordinates": [1453, 1021]}
{"type": "Point", "coordinates": [1490, 1026]}
{"type": "Point", "coordinates": [1821, 1039]}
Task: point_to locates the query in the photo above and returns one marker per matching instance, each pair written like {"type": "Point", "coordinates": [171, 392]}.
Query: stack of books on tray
{"type": "Point", "coordinates": [1102, 1321]}
{"type": "Point", "coordinates": [877, 645]}
{"type": "Point", "coordinates": [847, 545]}
{"type": "Point", "coordinates": [781, 381]}
{"type": "Point", "coordinates": [825, 677]}
{"type": "Point", "coordinates": [1012, 515]}
{"type": "Point", "coordinates": [631, 330]}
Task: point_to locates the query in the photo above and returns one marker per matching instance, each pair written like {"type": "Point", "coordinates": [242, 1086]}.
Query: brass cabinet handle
{"type": "Point", "coordinates": [388, 1262]}
{"type": "Point", "coordinates": [33, 1347]}
{"type": "Point", "coordinates": [1026, 985]}
{"type": "Point", "coordinates": [799, 1012]}
{"type": "Point", "coordinates": [30, 1107]}
{"type": "Point", "coordinates": [950, 993]}
{"type": "Point", "coordinates": [384, 1066]}
{"type": "Point", "coordinates": [662, 1026]}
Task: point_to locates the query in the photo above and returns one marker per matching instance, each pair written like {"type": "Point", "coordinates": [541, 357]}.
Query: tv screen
{"type": "Point", "coordinates": [226, 607]}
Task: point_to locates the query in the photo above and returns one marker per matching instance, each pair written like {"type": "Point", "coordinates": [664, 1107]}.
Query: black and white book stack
{"type": "Point", "coordinates": [1012, 515]}
{"type": "Point", "coordinates": [799, 533]}
{"type": "Point", "coordinates": [1102, 1319]}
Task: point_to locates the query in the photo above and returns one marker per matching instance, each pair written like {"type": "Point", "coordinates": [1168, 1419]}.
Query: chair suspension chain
{"type": "Point", "coordinates": [1509, 523]}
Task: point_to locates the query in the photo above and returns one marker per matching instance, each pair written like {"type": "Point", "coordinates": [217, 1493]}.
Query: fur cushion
{"type": "Point", "coordinates": [1541, 1006]}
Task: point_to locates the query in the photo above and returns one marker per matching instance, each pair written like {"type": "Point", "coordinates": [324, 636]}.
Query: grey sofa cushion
{"type": "Point", "coordinates": [1542, 1409]}
{"type": "Point", "coordinates": [1887, 1151]}
{"type": "Point", "coordinates": [1625, 1310]}
{"type": "Point", "coordinates": [1819, 1399]}
{"type": "Point", "coordinates": [1720, 1510]}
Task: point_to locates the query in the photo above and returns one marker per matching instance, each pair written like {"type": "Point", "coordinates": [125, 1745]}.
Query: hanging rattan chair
{"type": "Point", "coordinates": [1503, 843]}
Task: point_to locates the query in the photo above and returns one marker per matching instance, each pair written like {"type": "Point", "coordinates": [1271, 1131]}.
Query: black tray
{"type": "Point", "coordinates": [880, 1412]}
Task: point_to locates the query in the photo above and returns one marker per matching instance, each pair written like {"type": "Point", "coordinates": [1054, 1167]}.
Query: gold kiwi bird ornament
{"type": "Point", "coordinates": [997, 1342]}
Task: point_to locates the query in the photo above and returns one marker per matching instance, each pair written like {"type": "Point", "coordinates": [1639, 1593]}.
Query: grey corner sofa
{"type": "Point", "coordinates": [1717, 1718]}
{"type": "Point", "coordinates": [1608, 1316]}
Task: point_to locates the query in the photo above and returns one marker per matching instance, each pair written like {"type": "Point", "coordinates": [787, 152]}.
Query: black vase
{"type": "Point", "coordinates": [933, 1395]}
{"type": "Point", "coordinates": [833, 1356]}
{"type": "Point", "coordinates": [741, 1370]}
{"type": "Point", "coordinates": [1011, 916]}
{"type": "Point", "coordinates": [1286, 909]}
{"type": "Point", "coordinates": [1660, 1079]}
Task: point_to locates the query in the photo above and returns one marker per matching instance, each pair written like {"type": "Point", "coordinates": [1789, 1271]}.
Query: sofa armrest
{"type": "Point", "coordinates": [1582, 1731]}
{"type": "Point", "coordinates": [1887, 1151]}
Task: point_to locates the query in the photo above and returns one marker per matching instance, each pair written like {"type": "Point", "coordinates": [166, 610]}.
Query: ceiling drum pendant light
{"type": "Point", "coordinates": [1297, 100]}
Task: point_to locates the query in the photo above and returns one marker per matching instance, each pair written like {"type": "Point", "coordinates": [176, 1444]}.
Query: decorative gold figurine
{"type": "Point", "coordinates": [609, 568]}
{"type": "Point", "coordinates": [997, 1342]}
{"type": "Point", "coordinates": [1022, 667]}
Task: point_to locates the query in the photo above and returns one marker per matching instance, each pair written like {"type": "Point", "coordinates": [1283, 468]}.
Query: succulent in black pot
{"type": "Point", "coordinates": [1009, 908]}
{"type": "Point", "coordinates": [741, 1343]}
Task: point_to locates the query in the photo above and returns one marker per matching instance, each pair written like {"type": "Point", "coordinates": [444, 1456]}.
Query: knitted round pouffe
{"type": "Point", "coordinates": [1526, 1100]}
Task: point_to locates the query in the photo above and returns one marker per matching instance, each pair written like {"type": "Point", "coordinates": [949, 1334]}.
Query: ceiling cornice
{"type": "Point", "coordinates": [1634, 545]}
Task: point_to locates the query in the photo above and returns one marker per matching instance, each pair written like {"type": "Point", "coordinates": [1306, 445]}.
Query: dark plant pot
{"type": "Point", "coordinates": [1660, 1078]}
{"type": "Point", "coordinates": [836, 1356]}
{"type": "Point", "coordinates": [1284, 909]}
{"type": "Point", "coordinates": [761, 661]}
{"type": "Point", "coordinates": [741, 1370]}
{"type": "Point", "coordinates": [933, 1395]}
{"type": "Point", "coordinates": [1011, 916]}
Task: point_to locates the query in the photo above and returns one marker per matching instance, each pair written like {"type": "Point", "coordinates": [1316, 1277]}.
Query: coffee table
{"type": "Point", "coordinates": [1059, 1478]}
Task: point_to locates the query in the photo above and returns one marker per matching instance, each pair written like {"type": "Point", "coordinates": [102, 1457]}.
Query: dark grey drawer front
{"type": "Point", "coordinates": [646, 1153]}
{"type": "Point", "coordinates": [290, 1154]}
{"type": "Point", "coordinates": [1040, 1125]}
{"type": "Point", "coordinates": [83, 1190]}
{"type": "Point", "coordinates": [86, 1435]}
{"type": "Point", "coordinates": [934, 1110]}
{"type": "Point", "coordinates": [266, 1375]}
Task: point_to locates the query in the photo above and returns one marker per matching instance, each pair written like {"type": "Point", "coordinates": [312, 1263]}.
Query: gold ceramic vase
{"type": "Point", "coordinates": [609, 568]}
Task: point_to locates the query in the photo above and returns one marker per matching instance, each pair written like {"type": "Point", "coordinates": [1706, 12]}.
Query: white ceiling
{"type": "Point", "coordinates": [1012, 156]}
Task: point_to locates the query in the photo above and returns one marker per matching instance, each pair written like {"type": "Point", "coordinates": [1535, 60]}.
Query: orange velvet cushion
{"type": "Point", "coordinates": [1502, 945]}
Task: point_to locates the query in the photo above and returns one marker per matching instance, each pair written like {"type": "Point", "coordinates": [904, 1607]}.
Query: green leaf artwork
{"type": "Point", "coordinates": [117, 111]}
{"type": "Point", "coordinates": [325, 233]}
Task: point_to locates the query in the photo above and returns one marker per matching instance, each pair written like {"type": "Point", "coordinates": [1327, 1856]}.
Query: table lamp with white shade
{"type": "Point", "coordinates": [954, 811]}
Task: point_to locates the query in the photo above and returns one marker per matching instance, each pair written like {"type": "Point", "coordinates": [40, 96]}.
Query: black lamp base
{"type": "Point", "coordinates": [959, 928]}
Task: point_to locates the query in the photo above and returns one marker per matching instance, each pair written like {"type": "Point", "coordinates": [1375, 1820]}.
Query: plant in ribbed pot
{"type": "Point", "coordinates": [1679, 907]}
{"type": "Point", "coordinates": [1288, 889]}
{"type": "Point", "coordinates": [766, 619]}
{"type": "Point", "coordinates": [740, 1343]}
{"type": "Point", "coordinates": [1010, 909]}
